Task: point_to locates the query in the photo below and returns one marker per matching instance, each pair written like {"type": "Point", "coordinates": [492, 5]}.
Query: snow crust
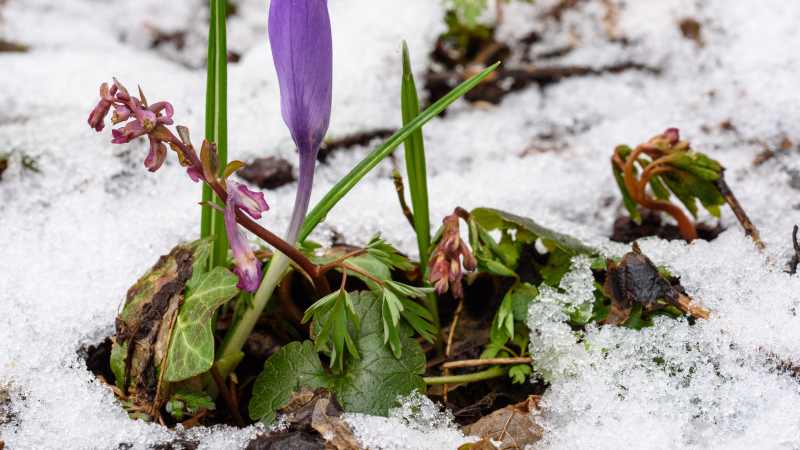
{"type": "Point", "coordinates": [417, 424]}
{"type": "Point", "coordinates": [75, 236]}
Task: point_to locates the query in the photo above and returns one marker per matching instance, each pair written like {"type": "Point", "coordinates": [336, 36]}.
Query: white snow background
{"type": "Point", "coordinates": [74, 237]}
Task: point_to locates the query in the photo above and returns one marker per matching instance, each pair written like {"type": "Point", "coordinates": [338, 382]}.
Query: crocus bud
{"type": "Point", "coordinates": [300, 37]}
{"type": "Point", "coordinates": [246, 266]}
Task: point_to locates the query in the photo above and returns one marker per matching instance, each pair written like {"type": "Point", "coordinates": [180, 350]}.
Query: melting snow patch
{"type": "Point", "coordinates": [417, 424]}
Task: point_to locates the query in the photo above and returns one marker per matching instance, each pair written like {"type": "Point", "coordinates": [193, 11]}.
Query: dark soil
{"type": "Point", "coordinates": [353, 140]}
{"type": "Point", "coordinates": [268, 173]}
{"type": "Point", "coordinates": [626, 230]}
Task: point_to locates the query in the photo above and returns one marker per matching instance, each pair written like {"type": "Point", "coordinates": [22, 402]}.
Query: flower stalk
{"type": "Point", "coordinates": [301, 41]}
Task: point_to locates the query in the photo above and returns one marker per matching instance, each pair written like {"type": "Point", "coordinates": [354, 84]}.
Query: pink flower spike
{"type": "Point", "coordinates": [156, 156]}
{"type": "Point", "coordinates": [252, 203]}
{"type": "Point", "coordinates": [146, 118]}
{"type": "Point", "coordinates": [246, 265]}
{"type": "Point", "coordinates": [194, 173]}
{"type": "Point", "coordinates": [100, 111]}
{"type": "Point", "coordinates": [121, 114]}
{"type": "Point", "coordinates": [128, 133]}
{"type": "Point", "coordinates": [168, 110]}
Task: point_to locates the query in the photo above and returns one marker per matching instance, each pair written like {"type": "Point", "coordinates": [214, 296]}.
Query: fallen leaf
{"type": "Point", "coordinates": [512, 427]}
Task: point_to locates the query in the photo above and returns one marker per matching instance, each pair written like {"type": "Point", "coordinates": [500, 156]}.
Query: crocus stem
{"type": "Point", "coordinates": [237, 335]}
{"type": "Point", "coordinates": [488, 374]}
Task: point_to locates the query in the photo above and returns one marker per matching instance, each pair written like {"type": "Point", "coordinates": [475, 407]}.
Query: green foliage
{"type": "Point", "coordinates": [332, 314]}
{"type": "Point", "coordinates": [508, 334]}
{"type": "Point", "coordinates": [467, 11]}
{"type": "Point", "coordinates": [185, 403]}
{"type": "Point", "coordinates": [370, 384]}
{"type": "Point", "coordinates": [691, 178]}
{"type": "Point", "coordinates": [216, 123]}
{"type": "Point", "coordinates": [397, 300]}
{"type": "Point", "coordinates": [416, 171]}
{"type": "Point", "coordinates": [191, 350]}
{"type": "Point", "coordinates": [341, 188]}
{"type": "Point", "coordinates": [294, 366]}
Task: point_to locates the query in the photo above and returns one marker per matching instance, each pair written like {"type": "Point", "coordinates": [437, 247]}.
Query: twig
{"type": "Point", "coordinates": [505, 429]}
{"type": "Point", "coordinates": [401, 197]}
{"type": "Point", "coordinates": [338, 261]}
{"type": "Point", "coordinates": [488, 374]}
{"type": "Point", "coordinates": [361, 272]}
{"type": "Point", "coordinates": [795, 261]}
{"type": "Point", "coordinates": [749, 228]}
{"type": "Point", "coordinates": [487, 362]}
{"type": "Point", "coordinates": [226, 395]}
{"type": "Point", "coordinates": [449, 347]}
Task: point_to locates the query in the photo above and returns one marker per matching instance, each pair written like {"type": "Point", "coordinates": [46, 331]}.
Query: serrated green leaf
{"type": "Point", "coordinates": [523, 295]}
{"type": "Point", "coordinates": [294, 366]}
{"type": "Point", "coordinates": [372, 384]}
{"type": "Point", "coordinates": [519, 373]}
{"type": "Point", "coordinates": [191, 350]}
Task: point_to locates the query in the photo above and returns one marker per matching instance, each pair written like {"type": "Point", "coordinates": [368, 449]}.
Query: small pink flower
{"type": "Point", "coordinates": [445, 264]}
{"type": "Point", "coordinates": [156, 156]}
{"type": "Point", "coordinates": [121, 114]}
{"type": "Point", "coordinates": [246, 266]}
{"type": "Point", "coordinates": [98, 115]}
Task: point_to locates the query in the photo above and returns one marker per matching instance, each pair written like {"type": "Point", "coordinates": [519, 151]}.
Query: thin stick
{"type": "Point", "coordinates": [449, 348]}
{"type": "Point", "coordinates": [488, 374]}
{"type": "Point", "coordinates": [795, 261]}
{"type": "Point", "coordinates": [401, 197]}
{"type": "Point", "coordinates": [487, 362]}
{"type": "Point", "coordinates": [332, 265]}
{"type": "Point", "coordinates": [361, 272]}
{"type": "Point", "coordinates": [226, 395]}
{"type": "Point", "coordinates": [749, 228]}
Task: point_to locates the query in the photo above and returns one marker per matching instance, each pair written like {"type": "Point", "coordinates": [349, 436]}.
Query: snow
{"type": "Point", "coordinates": [76, 235]}
{"type": "Point", "coordinates": [417, 424]}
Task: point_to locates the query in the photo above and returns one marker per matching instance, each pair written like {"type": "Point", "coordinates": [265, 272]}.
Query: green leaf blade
{"type": "Point", "coordinates": [416, 170]}
{"type": "Point", "coordinates": [347, 183]}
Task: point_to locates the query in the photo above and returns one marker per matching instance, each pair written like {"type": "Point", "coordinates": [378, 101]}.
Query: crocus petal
{"type": "Point", "coordinates": [246, 266]}
{"type": "Point", "coordinates": [300, 37]}
{"type": "Point", "coordinates": [252, 203]}
{"type": "Point", "coordinates": [156, 156]}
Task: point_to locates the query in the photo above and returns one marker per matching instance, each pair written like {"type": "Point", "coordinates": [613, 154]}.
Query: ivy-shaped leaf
{"type": "Point", "coordinates": [191, 350]}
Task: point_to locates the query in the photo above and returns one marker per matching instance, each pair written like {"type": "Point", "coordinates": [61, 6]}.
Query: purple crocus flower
{"type": "Point", "coordinates": [246, 265]}
{"type": "Point", "coordinates": [300, 37]}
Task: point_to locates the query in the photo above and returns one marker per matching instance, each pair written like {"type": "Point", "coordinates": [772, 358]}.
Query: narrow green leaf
{"type": "Point", "coordinates": [216, 123]}
{"type": "Point", "coordinates": [347, 183]}
{"type": "Point", "coordinates": [416, 171]}
{"type": "Point", "coordinates": [191, 349]}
